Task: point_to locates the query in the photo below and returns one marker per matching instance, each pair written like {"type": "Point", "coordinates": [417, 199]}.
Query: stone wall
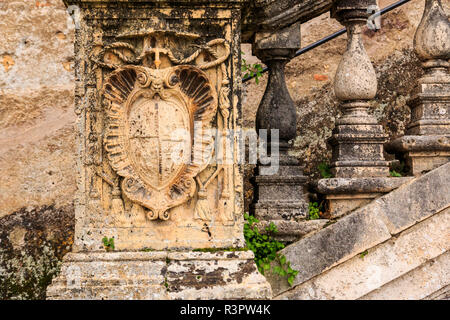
{"type": "Point", "coordinates": [36, 105]}
{"type": "Point", "coordinates": [36, 144]}
{"type": "Point", "coordinates": [37, 148]}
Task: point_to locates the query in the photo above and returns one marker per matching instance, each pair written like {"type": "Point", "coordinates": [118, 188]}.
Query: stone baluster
{"type": "Point", "coordinates": [358, 165]}
{"type": "Point", "coordinates": [357, 138]}
{"type": "Point", "coordinates": [426, 144]}
{"type": "Point", "coordinates": [280, 192]}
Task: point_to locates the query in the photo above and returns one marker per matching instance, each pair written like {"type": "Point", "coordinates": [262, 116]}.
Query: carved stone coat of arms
{"type": "Point", "coordinates": [160, 112]}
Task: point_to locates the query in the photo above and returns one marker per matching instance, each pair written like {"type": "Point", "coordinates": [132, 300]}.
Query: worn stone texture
{"type": "Point", "coordinates": [290, 231]}
{"type": "Point", "coordinates": [406, 206]}
{"type": "Point", "coordinates": [48, 62]}
{"type": "Point", "coordinates": [383, 264]}
{"type": "Point", "coordinates": [278, 14]}
{"type": "Point", "coordinates": [281, 194]}
{"type": "Point", "coordinates": [141, 77]}
{"type": "Point", "coordinates": [369, 226]}
{"type": "Point", "coordinates": [33, 242]}
{"type": "Point", "coordinates": [160, 275]}
{"type": "Point", "coordinates": [162, 68]}
{"type": "Point", "coordinates": [424, 281]}
{"type": "Point", "coordinates": [426, 143]}
{"type": "Point", "coordinates": [53, 33]}
{"type": "Point", "coordinates": [330, 246]}
{"type": "Point", "coordinates": [309, 78]}
{"type": "Point", "coordinates": [443, 294]}
{"type": "Point", "coordinates": [36, 105]}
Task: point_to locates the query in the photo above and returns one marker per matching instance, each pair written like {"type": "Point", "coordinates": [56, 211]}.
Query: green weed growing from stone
{"type": "Point", "coordinates": [313, 211]}
{"type": "Point", "coordinates": [394, 173]}
{"type": "Point", "coordinates": [398, 169]}
{"type": "Point", "coordinates": [108, 243]}
{"type": "Point", "coordinates": [325, 170]}
{"type": "Point", "coordinates": [266, 250]}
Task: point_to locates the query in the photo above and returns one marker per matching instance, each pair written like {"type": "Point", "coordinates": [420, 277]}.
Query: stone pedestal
{"type": "Point", "coordinates": [358, 164]}
{"type": "Point", "coordinates": [426, 144]}
{"type": "Point", "coordinates": [421, 153]}
{"type": "Point", "coordinates": [280, 195]}
{"type": "Point", "coordinates": [344, 195]}
{"type": "Point", "coordinates": [282, 199]}
{"type": "Point", "coordinates": [157, 89]}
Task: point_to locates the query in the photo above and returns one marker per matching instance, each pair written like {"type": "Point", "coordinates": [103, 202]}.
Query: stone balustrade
{"type": "Point", "coordinates": [360, 171]}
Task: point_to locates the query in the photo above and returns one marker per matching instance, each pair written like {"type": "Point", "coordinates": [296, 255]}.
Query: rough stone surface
{"type": "Point", "coordinates": [45, 63]}
{"type": "Point", "coordinates": [37, 144]}
{"type": "Point", "coordinates": [154, 82]}
{"type": "Point", "coordinates": [443, 294]}
{"type": "Point", "coordinates": [406, 206]}
{"type": "Point", "coordinates": [384, 263]}
{"type": "Point", "coordinates": [277, 14]}
{"type": "Point", "coordinates": [310, 76]}
{"type": "Point", "coordinates": [356, 185]}
{"type": "Point", "coordinates": [424, 281]}
{"type": "Point", "coordinates": [430, 104]}
{"type": "Point", "coordinates": [290, 231]}
{"type": "Point", "coordinates": [32, 244]}
{"type": "Point", "coordinates": [343, 195]}
{"type": "Point", "coordinates": [52, 32]}
{"type": "Point", "coordinates": [332, 245]}
{"type": "Point", "coordinates": [160, 275]}
{"type": "Point", "coordinates": [370, 225]}
{"type": "Point", "coordinates": [280, 194]}
{"type": "Point", "coordinates": [145, 79]}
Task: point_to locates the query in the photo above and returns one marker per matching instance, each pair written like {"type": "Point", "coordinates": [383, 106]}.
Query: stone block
{"type": "Point", "coordinates": [344, 195]}
{"type": "Point", "coordinates": [422, 153]}
{"type": "Point", "coordinates": [159, 275]}
{"type": "Point", "coordinates": [290, 231]}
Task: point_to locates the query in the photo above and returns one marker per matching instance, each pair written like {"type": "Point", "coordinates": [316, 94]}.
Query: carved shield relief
{"type": "Point", "coordinates": [156, 134]}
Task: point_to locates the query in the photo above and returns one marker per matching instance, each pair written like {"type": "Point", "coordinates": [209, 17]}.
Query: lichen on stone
{"type": "Point", "coordinates": [29, 259]}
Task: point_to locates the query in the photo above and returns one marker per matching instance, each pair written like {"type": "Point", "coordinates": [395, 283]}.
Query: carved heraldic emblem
{"type": "Point", "coordinates": [150, 138]}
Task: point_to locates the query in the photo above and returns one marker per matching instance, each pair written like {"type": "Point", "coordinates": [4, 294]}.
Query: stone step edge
{"type": "Point", "coordinates": [367, 227]}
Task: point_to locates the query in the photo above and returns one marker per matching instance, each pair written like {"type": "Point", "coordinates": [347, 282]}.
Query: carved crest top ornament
{"type": "Point", "coordinates": [150, 139]}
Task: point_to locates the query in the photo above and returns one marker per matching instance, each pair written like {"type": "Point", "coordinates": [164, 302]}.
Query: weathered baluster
{"type": "Point", "coordinates": [357, 139]}
{"type": "Point", "coordinates": [426, 144]}
{"type": "Point", "coordinates": [358, 162]}
{"type": "Point", "coordinates": [280, 196]}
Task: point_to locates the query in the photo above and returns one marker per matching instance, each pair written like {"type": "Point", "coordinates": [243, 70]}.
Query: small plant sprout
{"type": "Point", "coordinates": [313, 211]}
{"type": "Point", "coordinates": [363, 254]}
{"type": "Point", "coordinates": [108, 243]}
{"type": "Point", "coordinates": [325, 170]}
{"type": "Point", "coordinates": [251, 70]}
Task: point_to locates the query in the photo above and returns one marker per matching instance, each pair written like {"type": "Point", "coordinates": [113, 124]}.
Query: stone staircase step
{"type": "Point", "coordinates": [367, 227]}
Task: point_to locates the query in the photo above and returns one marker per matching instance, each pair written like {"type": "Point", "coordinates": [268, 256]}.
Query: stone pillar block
{"type": "Point", "coordinates": [157, 91]}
